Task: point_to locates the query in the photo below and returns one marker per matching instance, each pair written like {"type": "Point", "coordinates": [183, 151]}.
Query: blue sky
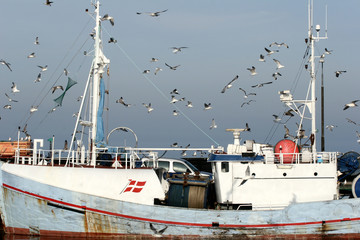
{"type": "Point", "coordinates": [224, 38]}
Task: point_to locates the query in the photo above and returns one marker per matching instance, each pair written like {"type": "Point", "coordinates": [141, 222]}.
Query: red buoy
{"type": "Point", "coordinates": [286, 148]}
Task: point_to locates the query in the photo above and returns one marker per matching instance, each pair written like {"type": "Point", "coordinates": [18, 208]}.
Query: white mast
{"type": "Point", "coordinates": [100, 62]}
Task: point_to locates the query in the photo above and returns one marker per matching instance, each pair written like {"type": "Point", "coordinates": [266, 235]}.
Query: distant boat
{"type": "Point", "coordinates": [96, 190]}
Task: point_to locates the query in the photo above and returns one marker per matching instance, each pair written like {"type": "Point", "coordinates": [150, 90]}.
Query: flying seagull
{"type": "Point", "coordinates": [276, 118]}
{"type": "Point", "coordinates": [66, 72]}
{"type": "Point", "coordinates": [247, 95]}
{"type": "Point", "coordinates": [121, 100]}
{"type": "Point", "coordinates": [229, 85]}
{"type": "Point", "coordinates": [38, 79]}
{"type": "Point", "coordinates": [177, 49]}
{"type": "Point", "coordinates": [157, 70]}
{"type": "Point", "coordinates": [175, 91]}
{"type": "Point", "coordinates": [10, 99]}
{"type": "Point", "coordinates": [14, 88]}
{"type": "Point", "coordinates": [328, 51]}
{"type": "Point", "coordinates": [189, 104]}
{"type": "Point", "coordinates": [278, 64]}
{"type": "Point", "coordinates": [154, 60]}
{"type": "Point", "coordinates": [157, 233]}
{"type": "Point", "coordinates": [289, 113]}
{"type": "Point", "coordinates": [351, 104]}
{"type": "Point", "coordinates": [148, 106]}
{"type": "Point", "coordinates": [7, 106]}
{"type": "Point", "coordinates": [152, 14]}
{"type": "Point", "coordinates": [275, 74]}
{"type": "Point", "coordinates": [43, 68]}
{"type": "Point", "coordinates": [207, 106]}
{"type": "Point", "coordinates": [330, 127]}
{"type": "Point", "coordinates": [53, 89]}
{"type": "Point", "coordinates": [213, 124]}
{"type": "Point", "coordinates": [31, 55]}
{"type": "Point", "coordinates": [278, 44]}
{"type": "Point", "coordinates": [262, 58]}
{"type": "Point", "coordinates": [269, 52]}
{"type": "Point", "coordinates": [3, 62]}
{"type": "Point", "coordinates": [33, 109]}
{"type": "Point", "coordinates": [173, 99]}
{"type": "Point", "coordinates": [146, 71]}
{"type": "Point", "coordinates": [260, 84]}
{"type": "Point", "coordinates": [252, 70]}
{"type": "Point", "coordinates": [351, 121]}
{"type": "Point", "coordinates": [107, 17]}
{"type": "Point", "coordinates": [36, 41]}
{"type": "Point", "coordinates": [112, 40]}
{"type": "Point", "coordinates": [248, 102]}
{"type": "Point", "coordinates": [172, 67]}
{"type": "Point", "coordinates": [48, 3]}
{"type": "Point", "coordinates": [337, 73]}
{"type": "Point", "coordinates": [175, 113]}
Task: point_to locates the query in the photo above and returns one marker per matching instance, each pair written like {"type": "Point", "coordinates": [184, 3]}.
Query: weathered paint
{"type": "Point", "coordinates": [65, 215]}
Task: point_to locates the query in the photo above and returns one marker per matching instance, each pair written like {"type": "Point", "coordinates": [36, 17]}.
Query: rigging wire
{"type": "Point", "coordinates": [159, 90]}
{"type": "Point", "coordinates": [63, 59]}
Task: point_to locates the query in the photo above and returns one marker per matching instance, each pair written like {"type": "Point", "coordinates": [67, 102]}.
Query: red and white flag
{"type": "Point", "coordinates": [134, 186]}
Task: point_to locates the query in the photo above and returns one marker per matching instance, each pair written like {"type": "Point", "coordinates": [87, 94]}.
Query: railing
{"type": "Point", "coordinates": [301, 158]}
{"type": "Point", "coordinates": [117, 157]}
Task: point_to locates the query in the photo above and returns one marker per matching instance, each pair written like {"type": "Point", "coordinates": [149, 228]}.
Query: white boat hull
{"type": "Point", "coordinates": [35, 208]}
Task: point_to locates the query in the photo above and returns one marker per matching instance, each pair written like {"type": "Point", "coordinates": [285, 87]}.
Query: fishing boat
{"type": "Point", "coordinates": [95, 190]}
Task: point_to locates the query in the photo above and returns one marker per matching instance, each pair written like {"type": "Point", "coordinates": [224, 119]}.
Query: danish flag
{"type": "Point", "coordinates": [134, 186]}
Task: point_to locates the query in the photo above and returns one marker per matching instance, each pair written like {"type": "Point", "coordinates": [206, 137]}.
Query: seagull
{"type": "Point", "coordinates": [277, 118]}
{"type": "Point", "coordinates": [189, 104]}
{"type": "Point", "coordinates": [269, 52]}
{"type": "Point", "coordinates": [248, 102]}
{"type": "Point", "coordinates": [173, 99]}
{"type": "Point", "coordinates": [33, 109]}
{"type": "Point", "coordinates": [175, 113]}
{"type": "Point", "coordinates": [48, 3]}
{"type": "Point", "coordinates": [112, 40]}
{"type": "Point", "coordinates": [351, 121]}
{"type": "Point", "coordinates": [10, 99]}
{"type": "Point", "coordinates": [328, 51]}
{"type": "Point", "coordinates": [247, 176]}
{"type": "Point", "coordinates": [79, 98]}
{"type": "Point", "coordinates": [175, 91]}
{"type": "Point", "coordinates": [337, 73]}
{"type": "Point", "coordinates": [262, 58]}
{"type": "Point", "coordinates": [330, 127]}
{"type": "Point", "coordinates": [351, 104]}
{"type": "Point", "coordinates": [207, 106]}
{"type": "Point", "coordinates": [2, 61]}
{"type": "Point", "coordinates": [149, 108]}
{"type": "Point", "coordinates": [287, 132]}
{"type": "Point", "coordinates": [247, 95]}
{"type": "Point", "coordinates": [157, 70]}
{"type": "Point", "coordinates": [229, 85]}
{"type": "Point", "coordinates": [152, 14]}
{"type": "Point", "coordinates": [278, 64]}
{"type": "Point", "coordinates": [52, 110]}
{"type": "Point", "coordinates": [43, 69]}
{"type": "Point", "coordinates": [252, 71]}
{"type": "Point", "coordinates": [288, 113]}
{"type": "Point", "coordinates": [247, 127]}
{"type": "Point", "coordinates": [274, 75]}
{"type": "Point", "coordinates": [260, 84]}
{"type": "Point", "coordinates": [121, 100]}
{"type": "Point", "coordinates": [66, 72]}
{"type": "Point", "coordinates": [36, 41]}
{"type": "Point", "coordinates": [32, 55]}
{"type": "Point", "coordinates": [174, 145]}
{"type": "Point", "coordinates": [107, 17]}
{"type": "Point", "coordinates": [7, 106]}
{"type": "Point", "coordinates": [213, 124]}
{"type": "Point", "coordinates": [177, 49]}
{"type": "Point", "coordinates": [154, 60]}
{"type": "Point", "coordinates": [146, 71]}
{"type": "Point", "coordinates": [278, 44]}
{"type": "Point", "coordinates": [53, 89]}
{"type": "Point", "coordinates": [172, 67]}
{"type": "Point", "coordinates": [38, 79]}
{"type": "Point", "coordinates": [358, 135]}
{"type": "Point", "coordinates": [14, 88]}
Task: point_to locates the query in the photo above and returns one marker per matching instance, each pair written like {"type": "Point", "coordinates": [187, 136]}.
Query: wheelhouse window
{"type": "Point", "coordinates": [224, 167]}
